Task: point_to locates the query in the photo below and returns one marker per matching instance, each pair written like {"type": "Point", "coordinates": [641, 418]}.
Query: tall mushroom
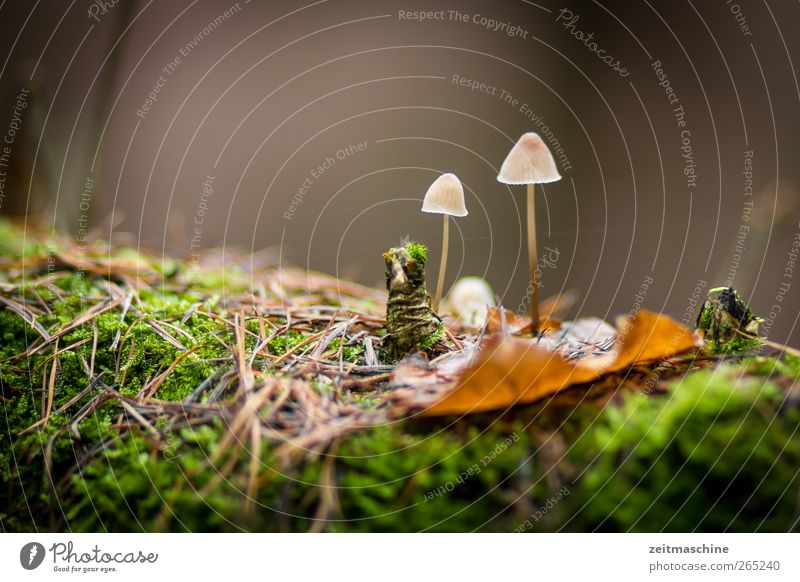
{"type": "Point", "coordinates": [446, 197]}
{"type": "Point", "coordinates": [530, 162]}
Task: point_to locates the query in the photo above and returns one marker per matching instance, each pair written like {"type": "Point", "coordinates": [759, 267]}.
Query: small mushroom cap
{"type": "Point", "coordinates": [529, 162]}
{"type": "Point", "coordinates": [445, 196]}
{"type": "Point", "coordinates": [470, 299]}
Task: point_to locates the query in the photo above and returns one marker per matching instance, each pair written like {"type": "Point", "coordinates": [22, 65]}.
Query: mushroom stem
{"type": "Point", "coordinates": [534, 261]}
{"type": "Point", "coordinates": [440, 283]}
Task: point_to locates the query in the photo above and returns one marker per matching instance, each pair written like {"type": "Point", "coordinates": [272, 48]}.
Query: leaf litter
{"type": "Point", "coordinates": [300, 358]}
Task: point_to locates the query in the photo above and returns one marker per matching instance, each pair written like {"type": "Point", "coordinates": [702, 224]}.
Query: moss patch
{"type": "Point", "coordinates": [418, 252]}
{"type": "Point", "coordinates": [715, 449]}
{"type": "Point", "coordinates": [729, 324]}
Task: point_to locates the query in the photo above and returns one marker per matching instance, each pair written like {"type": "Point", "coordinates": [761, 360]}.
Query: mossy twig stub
{"type": "Point", "coordinates": [410, 322]}
{"type": "Point", "coordinates": [729, 324]}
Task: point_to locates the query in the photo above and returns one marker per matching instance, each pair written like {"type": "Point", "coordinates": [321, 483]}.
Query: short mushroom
{"type": "Point", "coordinates": [470, 300]}
{"type": "Point", "coordinates": [445, 196]}
{"type": "Point", "coordinates": [530, 162]}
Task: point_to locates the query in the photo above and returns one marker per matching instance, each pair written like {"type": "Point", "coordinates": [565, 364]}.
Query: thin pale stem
{"type": "Point", "coordinates": [783, 348]}
{"type": "Point", "coordinates": [437, 298]}
{"type": "Point", "coordinates": [534, 261]}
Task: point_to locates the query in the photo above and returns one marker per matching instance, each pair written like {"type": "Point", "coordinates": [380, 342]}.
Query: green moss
{"type": "Point", "coordinates": [730, 326]}
{"type": "Point", "coordinates": [285, 342]}
{"type": "Point", "coordinates": [394, 480]}
{"type": "Point", "coordinates": [352, 354]}
{"type": "Point", "coordinates": [719, 450]}
{"type": "Point", "coordinates": [788, 367]}
{"type": "Point", "coordinates": [433, 339]}
{"type": "Point", "coordinates": [709, 443]}
{"type": "Point", "coordinates": [418, 251]}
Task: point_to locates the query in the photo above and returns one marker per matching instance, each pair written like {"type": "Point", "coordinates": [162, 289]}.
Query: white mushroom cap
{"type": "Point", "coordinates": [445, 196]}
{"type": "Point", "coordinates": [529, 162]}
{"type": "Point", "coordinates": [471, 298]}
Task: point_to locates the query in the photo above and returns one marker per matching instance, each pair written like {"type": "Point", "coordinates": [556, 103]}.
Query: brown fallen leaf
{"type": "Point", "coordinates": [578, 339]}
{"type": "Point", "coordinates": [510, 371]}
{"type": "Point", "coordinates": [416, 371]}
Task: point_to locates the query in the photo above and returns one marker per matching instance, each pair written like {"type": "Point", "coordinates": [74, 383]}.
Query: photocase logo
{"type": "Point", "coordinates": [31, 555]}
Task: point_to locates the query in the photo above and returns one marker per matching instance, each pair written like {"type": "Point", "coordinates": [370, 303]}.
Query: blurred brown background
{"type": "Point", "coordinates": [130, 108]}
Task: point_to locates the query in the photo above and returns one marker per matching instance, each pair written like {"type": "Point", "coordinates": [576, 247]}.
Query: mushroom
{"type": "Point", "coordinates": [530, 162]}
{"type": "Point", "coordinates": [470, 299]}
{"type": "Point", "coordinates": [446, 197]}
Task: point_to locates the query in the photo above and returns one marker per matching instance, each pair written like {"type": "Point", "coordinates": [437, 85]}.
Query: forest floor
{"type": "Point", "coordinates": [148, 393]}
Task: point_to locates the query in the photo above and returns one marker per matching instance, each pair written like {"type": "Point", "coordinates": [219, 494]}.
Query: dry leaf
{"type": "Point", "coordinates": [510, 371]}
{"type": "Point", "coordinates": [514, 324]}
{"type": "Point", "coordinates": [417, 371]}
{"type": "Point", "coordinates": [577, 339]}
{"type": "Point", "coordinates": [551, 309]}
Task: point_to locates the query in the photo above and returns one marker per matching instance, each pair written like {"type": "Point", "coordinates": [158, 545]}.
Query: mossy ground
{"type": "Point", "coordinates": [714, 449]}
